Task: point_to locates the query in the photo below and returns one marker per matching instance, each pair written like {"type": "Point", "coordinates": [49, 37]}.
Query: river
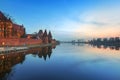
{"type": "Point", "coordinates": [63, 62]}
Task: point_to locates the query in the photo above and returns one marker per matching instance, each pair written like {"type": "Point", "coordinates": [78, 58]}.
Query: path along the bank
{"type": "Point", "coordinates": [21, 48]}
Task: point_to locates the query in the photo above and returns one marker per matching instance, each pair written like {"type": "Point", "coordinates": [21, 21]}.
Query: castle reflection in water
{"type": "Point", "coordinates": [8, 60]}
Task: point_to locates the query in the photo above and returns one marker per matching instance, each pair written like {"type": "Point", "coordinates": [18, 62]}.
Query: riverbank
{"type": "Point", "coordinates": [23, 48]}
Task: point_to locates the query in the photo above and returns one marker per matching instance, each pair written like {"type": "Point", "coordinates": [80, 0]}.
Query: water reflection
{"type": "Point", "coordinates": [41, 52]}
{"type": "Point", "coordinates": [106, 46]}
{"type": "Point", "coordinates": [112, 47]}
{"type": "Point", "coordinates": [78, 44]}
{"type": "Point", "coordinates": [8, 60]}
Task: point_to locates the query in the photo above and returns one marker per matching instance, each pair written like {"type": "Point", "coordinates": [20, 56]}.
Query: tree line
{"type": "Point", "coordinates": [105, 41]}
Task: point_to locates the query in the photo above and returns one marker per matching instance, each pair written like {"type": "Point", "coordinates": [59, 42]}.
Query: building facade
{"type": "Point", "coordinates": [12, 34]}
{"type": "Point", "coordinates": [8, 29]}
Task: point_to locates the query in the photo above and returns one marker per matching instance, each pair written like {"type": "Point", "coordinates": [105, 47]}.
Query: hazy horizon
{"type": "Point", "coordinates": [67, 19]}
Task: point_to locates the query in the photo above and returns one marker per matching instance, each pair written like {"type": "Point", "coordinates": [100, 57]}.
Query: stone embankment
{"type": "Point", "coordinates": [22, 48]}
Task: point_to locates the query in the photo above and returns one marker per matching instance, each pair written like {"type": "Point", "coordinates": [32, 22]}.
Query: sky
{"type": "Point", "coordinates": [66, 19]}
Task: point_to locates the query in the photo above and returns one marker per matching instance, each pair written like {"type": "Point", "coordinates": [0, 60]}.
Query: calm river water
{"type": "Point", "coordinates": [65, 62]}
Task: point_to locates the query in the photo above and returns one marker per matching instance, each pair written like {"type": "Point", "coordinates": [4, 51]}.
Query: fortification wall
{"type": "Point", "coordinates": [19, 42]}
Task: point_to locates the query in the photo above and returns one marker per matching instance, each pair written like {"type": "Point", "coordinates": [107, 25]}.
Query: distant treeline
{"type": "Point", "coordinates": [113, 41]}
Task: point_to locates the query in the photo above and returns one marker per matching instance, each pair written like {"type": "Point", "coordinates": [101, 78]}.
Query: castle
{"type": "Point", "coordinates": [8, 29]}
{"type": "Point", "coordinates": [15, 34]}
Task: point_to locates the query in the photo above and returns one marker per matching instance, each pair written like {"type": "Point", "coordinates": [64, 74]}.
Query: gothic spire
{"type": "Point", "coordinates": [45, 33]}
{"type": "Point", "coordinates": [50, 35]}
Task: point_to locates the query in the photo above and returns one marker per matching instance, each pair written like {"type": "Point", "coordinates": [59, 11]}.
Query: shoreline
{"type": "Point", "coordinates": [23, 48]}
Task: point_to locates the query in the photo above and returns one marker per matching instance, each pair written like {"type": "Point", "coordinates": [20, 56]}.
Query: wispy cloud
{"type": "Point", "coordinates": [95, 23]}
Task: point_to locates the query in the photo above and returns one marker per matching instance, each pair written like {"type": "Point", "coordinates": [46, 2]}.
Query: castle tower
{"type": "Point", "coordinates": [50, 37]}
{"type": "Point", "coordinates": [40, 34]}
{"type": "Point", "coordinates": [45, 37]}
{"type": "Point", "coordinates": [5, 26]}
{"type": "Point", "coordinates": [8, 29]}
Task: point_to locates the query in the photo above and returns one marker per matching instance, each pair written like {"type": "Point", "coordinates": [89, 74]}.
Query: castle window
{"type": "Point", "coordinates": [3, 43]}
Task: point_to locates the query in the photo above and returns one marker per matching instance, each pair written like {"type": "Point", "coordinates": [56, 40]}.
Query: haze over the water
{"type": "Point", "coordinates": [67, 19]}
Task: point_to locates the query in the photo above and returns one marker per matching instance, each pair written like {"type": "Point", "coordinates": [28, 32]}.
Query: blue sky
{"type": "Point", "coordinates": [67, 19]}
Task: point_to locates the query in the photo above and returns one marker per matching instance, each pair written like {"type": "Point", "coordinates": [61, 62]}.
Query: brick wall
{"type": "Point", "coordinates": [19, 42]}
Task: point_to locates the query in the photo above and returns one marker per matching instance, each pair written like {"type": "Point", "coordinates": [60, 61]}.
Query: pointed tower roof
{"type": "Point", "coordinates": [45, 33]}
{"type": "Point", "coordinates": [50, 35]}
{"type": "Point", "coordinates": [40, 32]}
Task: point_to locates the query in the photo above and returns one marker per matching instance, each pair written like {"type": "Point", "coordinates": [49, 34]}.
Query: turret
{"type": "Point", "coordinates": [49, 37]}
{"type": "Point", "coordinates": [45, 33]}
{"type": "Point", "coordinates": [45, 37]}
{"type": "Point", "coordinates": [40, 34]}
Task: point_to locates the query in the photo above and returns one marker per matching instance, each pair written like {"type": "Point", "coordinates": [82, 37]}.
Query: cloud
{"type": "Point", "coordinates": [95, 23]}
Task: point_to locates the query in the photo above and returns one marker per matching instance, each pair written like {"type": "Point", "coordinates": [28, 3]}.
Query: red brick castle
{"type": "Point", "coordinates": [8, 29]}
{"type": "Point", "coordinates": [12, 34]}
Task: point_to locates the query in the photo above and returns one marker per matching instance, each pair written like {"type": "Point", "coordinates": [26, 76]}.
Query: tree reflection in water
{"type": "Point", "coordinates": [8, 60]}
{"type": "Point", "coordinates": [112, 47]}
